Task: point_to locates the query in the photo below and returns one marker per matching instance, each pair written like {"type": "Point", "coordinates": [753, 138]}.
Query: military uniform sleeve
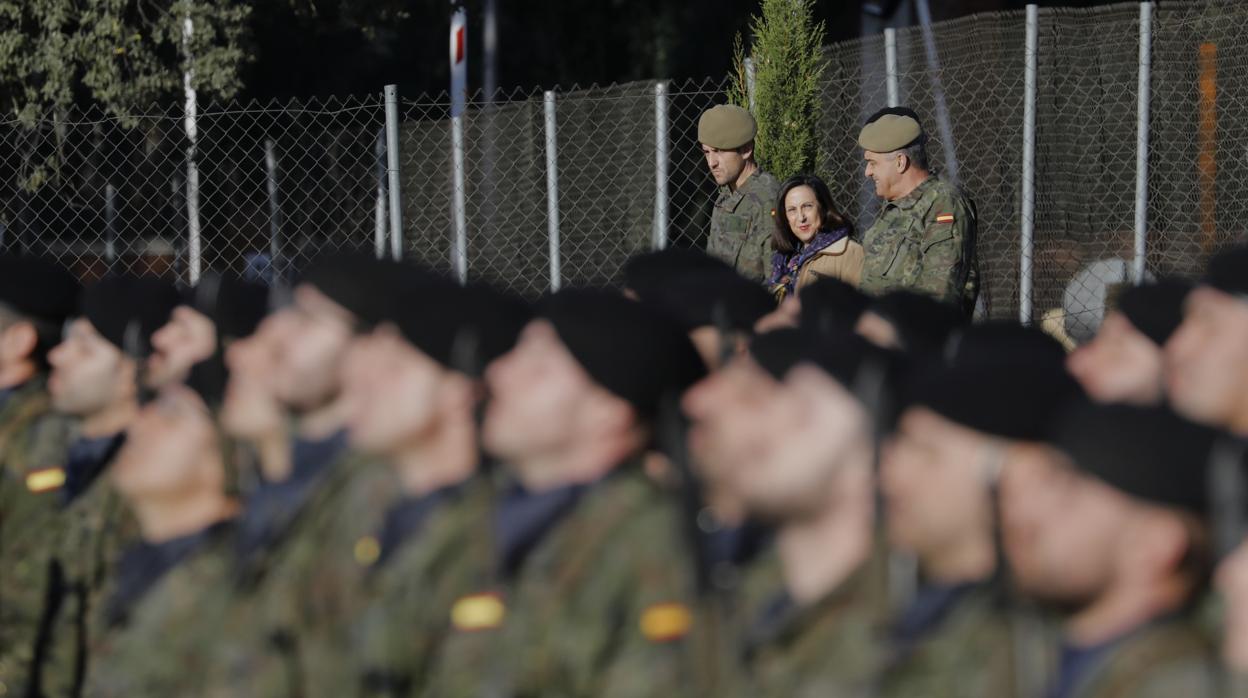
{"type": "Point", "coordinates": [939, 273]}
{"type": "Point", "coordinates": [757, 250]}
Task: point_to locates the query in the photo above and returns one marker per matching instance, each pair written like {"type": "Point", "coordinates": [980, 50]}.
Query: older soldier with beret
{"type": "Point", "coordinates": [741, 223]}
{"type": "Point", "coordinates": [924, 238]}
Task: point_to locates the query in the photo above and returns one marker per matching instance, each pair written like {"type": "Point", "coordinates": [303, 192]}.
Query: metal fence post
{"type": "Point", "coordinates": [393, 165]}
{"type": "Point", "coordinates": [552, 191]}
{"type": "Point", "coordinates": [379, 212]}
{"type": "Point", "coordinates": [890, 66]}
{"type": "Point", "coordinates": [194, 253]}
{"type": "Point", "coordinates": [660, 166]}
{"type": "Point", "coordinates": [459, 255]}
{"type": "Point", "coordinates": [938, 91]}
{"type": "Point", "coordinates": [749, 81]}
{"type": "Point", "coordinates": [110, 223]}
{"type": "Point", "coordinates": [1141, 142]}
{"type": "Point", "coordinates": [275, 209]}
{"type": "Point", "coordinates": [1027, 244]}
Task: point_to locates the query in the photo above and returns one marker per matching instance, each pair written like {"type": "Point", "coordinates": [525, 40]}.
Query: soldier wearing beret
{"type": "Point", "coordinates": [1124, 362]}
{"type": "Point", "coordinates": [964, 418]}
{"type": "Point", "coordinates": [588, 593]}
{"type": "Point", "coordinates": [741, 222]}
{"type": "Point", "coordinates": [35, 300]}
{"type": "Point", "coordinates": [1207, 357]}
{"type": "Point", "coordinates": [1109, 527]}
{"type": "Point", "coordinates": [799, 447]}
{"type": "Point", "coordinates": [924, 237]}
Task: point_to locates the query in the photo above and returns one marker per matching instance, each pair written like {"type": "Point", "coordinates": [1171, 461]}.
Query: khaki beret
{"type": "Point", "coordinates": [889, 132]}
{"type": "Point", "coordinates": [726, 127]}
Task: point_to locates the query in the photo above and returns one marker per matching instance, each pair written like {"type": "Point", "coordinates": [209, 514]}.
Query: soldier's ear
{"type": "Point", "coordinates": [747, 150]}
{"type": "Point", "coordinates": [18, 342]}
{"type": "Point", "coordinates": [902, 163]}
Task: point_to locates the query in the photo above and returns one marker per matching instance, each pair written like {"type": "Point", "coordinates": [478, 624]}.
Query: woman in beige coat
{"type": "Point", "coordinates": [812, 239]}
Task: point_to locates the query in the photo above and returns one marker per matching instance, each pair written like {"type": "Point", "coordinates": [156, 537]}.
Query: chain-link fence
{"type": "Point", "coordinates": [561, 187]}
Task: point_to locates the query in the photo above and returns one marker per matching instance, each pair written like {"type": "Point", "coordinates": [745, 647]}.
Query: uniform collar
{"type": "Point", "coordinates": [86, 459]}
{"type": "Point", "coordinates": [144, 564]}
{"type": "Point", "coordinates": [729, 199]}
{"type": "Point", "coordinates": [406, 519]}
{"type": "Point", "coordinates": [909, 200]}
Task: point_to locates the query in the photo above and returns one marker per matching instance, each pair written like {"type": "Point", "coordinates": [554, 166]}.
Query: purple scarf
{"type": "Point", "coordinates": [785, 267]}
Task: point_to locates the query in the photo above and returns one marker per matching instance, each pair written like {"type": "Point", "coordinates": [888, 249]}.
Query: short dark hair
{"type": "Point", "coordinates": [782, 237]}
{"type": "Point", "coordinates": [916, 153]}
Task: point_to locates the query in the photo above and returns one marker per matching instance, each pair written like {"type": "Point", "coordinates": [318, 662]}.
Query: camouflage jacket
{"type": "Point", "coordinates": [405, 616]}
{"type": "Point", "coordinates": [33, 442]}
{"type": "Point", "coordinates": [1169, 657]}
{"type": "Point", "coordinates": [283, 630]}
{"type": "Point", "coordinates": [599, 607]}
{"type": "Point", "coordinates": [158, 649]}
{"type": "Point", "coordinates": [925, 241]}
{"type": "Point", "coordinates": [967, 651]}
{"type": "Point", "coordinates": [833, 647]}
{"type": "Point", "coordinates": [741, 225]}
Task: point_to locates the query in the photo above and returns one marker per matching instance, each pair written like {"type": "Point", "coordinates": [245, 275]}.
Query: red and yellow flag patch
{"type": "Point", "coordinates": [477, 612]}
{"type": "Point", "coordinates": [665, 622]}
{"type": "Point", "coordinates": [944, 218]}
{"type": "Point", "coordinates": [45, 480]}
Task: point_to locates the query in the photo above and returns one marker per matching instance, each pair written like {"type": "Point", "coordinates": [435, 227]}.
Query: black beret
{"type": "Point", "coordinates": [999, 378]}
{"type": "Point", "coordinates": [831, 306]}
{"type": "Point", "coordinates": [845, 357]}
{"type": "Point", "coordinates": [462, 328]}
{"type": "Point", "coordinates": [632, 350]}
{"type": "Point", "coordinates": [779, 350]}
{"type": "Point", "coordinates": [38, 289]}
{"type": "Point", "coordinates": [646, 272]}
{"type": "Point", "coordinates": [922, 322]}
{"type": "Point", "coordinates": [709, 297]}
{"type": "Point", "coordinates": [1155, 309]}
{"type": "Point", "coordinates": [1146, 452]}
{"type": "Point", "coordinates": [115, 304]}
{"type": "Point", "coordinates": [235, 306]}
{"type": "Point", "coordinates": [1228, 272]}
{"type": "Point", "coordinates": [361, 283]}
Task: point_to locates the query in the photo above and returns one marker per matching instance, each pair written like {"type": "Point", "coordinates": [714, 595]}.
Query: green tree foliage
{"type": "Point", "coordinates": [121, 54]}
{"type": "Point", "coordinates": [786, 50]}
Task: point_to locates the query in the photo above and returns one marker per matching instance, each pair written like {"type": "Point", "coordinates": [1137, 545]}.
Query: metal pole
{"type": "Point", "coordinates": [749, 81]}
{"type": "Point", "coordinates": [1027, 245]}
{"type": "Point", "coordinates": [194, 252]}
{"type": "Point", "coordinates": [660, 166]}
{"type": "Point", "coordinates": [1141, 141]}
{"type": "Point", "coordinates": [489, 46]}
{"type": "Point", "coordinates": [459, 256]}
{"type": "Point", "coordinates": [379, 212]}
{"type": "Point", "coordinates": [393, 165]}
{"type": "Point", "coordinates": [938, 92]}
{"type": "Point", "coordinates": [110, 223]}
{"type": "Point", "coordinates": [552, 191]}
{"type": "Point", "coordinates": [275, 210]}
{"type": "Point", "coordinates": [890, 65]}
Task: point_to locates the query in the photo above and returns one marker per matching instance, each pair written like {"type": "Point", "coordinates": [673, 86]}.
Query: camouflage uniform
{"type": "Point", "coordinates": [924, 241]}
{"type": "Point", "coordinates": [33, 442]}
{"type": "Point", "coordinates": [395, 637]}
{"type": "Point", "coordinates": [599, 606]}
{"type": "Point", "coordinates": [158, 648]}
{"type": "Point", "coordinates": [967, 651]}
{"type": "Point", "coordinates": [741, 225]}
{"type": "Point", "coordinates": [283, 632]}
{"type": "Point", "coordinates": [833, 647]}
{"type": "Point", "coordinates": [1166, 658]}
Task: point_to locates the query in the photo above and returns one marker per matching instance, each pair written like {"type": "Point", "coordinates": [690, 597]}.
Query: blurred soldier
{"type": "Point", "coordinates": [414, 405]}
{"type": "Point", "coordinates": [272, 637]}
{"type": "Point", "coordinates": [1109, 527]}
{"type": "Point", "coordinates": [647, 272]}
{"type": "Point", "coordinates": [964, 418]}
{"type": "Point", "coordinates": [827, 306]}
{"type": "Point", "coordinates": [173, 474]}
{"type": "Point", "coordinates": [812, 478]}
{"type": "Point", "coordinates": [589, 594]}
{"type": "Point", "coordinates": [95, 377]}
{"type": "Point", "coordinates": [35, 300]}
{"type": "Point", "coordinates": [213, 314]}
{"type": "Point", "coordinates": [909, 322]}
{"type": "Point", "coordinates": [924, 238]}
{"type": "Point", "coordinates": [1207, 358]}
{"type": "Point", "coordinates": [742, 220]}
{"type": "Point", "coordinates": [1124, 363]}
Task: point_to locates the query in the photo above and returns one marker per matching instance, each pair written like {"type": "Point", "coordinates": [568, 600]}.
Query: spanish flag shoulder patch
{"type": "Point", "coordinates": [366, 550]}
{"type": "Point", "coordinates": [665, 622]}
{"type": "Point", "coordinates": [478, 612]}
{"type": "Point", "coordinates": [45, 479]}
{"type": "Point", "coordinates": [944, 218]}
